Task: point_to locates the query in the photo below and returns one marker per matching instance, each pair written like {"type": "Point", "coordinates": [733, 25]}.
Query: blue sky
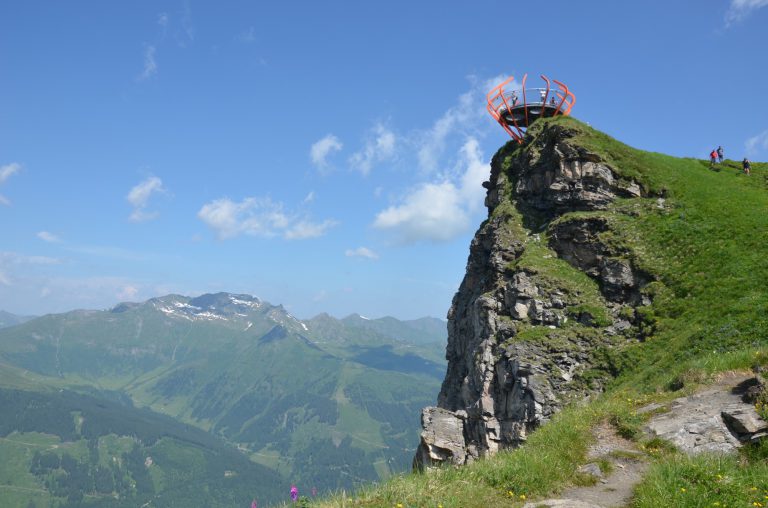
{"type": "Point", "coordinates": [323, 155]}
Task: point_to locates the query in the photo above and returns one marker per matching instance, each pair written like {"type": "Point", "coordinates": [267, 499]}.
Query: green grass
{"type": "Point", "coordinates": [704, 480]}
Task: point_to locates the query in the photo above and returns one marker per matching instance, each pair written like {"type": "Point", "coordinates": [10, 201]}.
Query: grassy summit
{"type": "Point", "coordinates": [701, 234]}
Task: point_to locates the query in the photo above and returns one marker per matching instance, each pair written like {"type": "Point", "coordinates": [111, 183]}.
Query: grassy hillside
{"type": "Point", "coordinates": [701, 234]}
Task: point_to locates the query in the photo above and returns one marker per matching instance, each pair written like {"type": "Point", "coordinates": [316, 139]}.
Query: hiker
{"type": "Point", "coordinates": [712, 158]}
{"type": "Point", "coordinates": [543, 95]}
{"type": "Point", "coordinates": [745, 164]}
{"type": "Point", "coordinates": [514, 98]}
{"type": "Point", "coordinates": [552, 101]}
{"type": "Point", "coordinates": [719, 154]}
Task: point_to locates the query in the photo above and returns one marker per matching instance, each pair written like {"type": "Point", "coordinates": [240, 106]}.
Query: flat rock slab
{"type": "Point", "coordinates": [700, 422]}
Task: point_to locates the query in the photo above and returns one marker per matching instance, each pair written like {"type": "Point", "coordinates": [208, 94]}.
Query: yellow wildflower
{"type": "Point", "coordinates": [522, 496]}
{"type": "Point", "coordinates": [682, 489]}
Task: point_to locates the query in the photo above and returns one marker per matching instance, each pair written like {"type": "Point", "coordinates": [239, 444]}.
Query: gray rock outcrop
{"type": "Point", "coordinates": [497, 388]}
{"type": "Point", "coordinates": [713, 420]}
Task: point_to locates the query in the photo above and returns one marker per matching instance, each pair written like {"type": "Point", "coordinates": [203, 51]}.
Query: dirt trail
{"type": "Point", "coordinates": [613, 489]}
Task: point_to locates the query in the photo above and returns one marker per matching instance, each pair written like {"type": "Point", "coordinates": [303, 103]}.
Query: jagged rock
{"type": "Point", "coordinates": [754, 388]}
{"type": "Point", "coordinates": [743, 419]}
{"type": "Point", "coordinates": [442, 438]}
{"type": "Point", "coordinates": [496, 389]}
{"type": "Point", "coordinates": [592, 469]}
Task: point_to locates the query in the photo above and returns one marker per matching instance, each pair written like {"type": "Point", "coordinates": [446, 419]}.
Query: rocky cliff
{"type": "Point", "coordinates": [549, 290]}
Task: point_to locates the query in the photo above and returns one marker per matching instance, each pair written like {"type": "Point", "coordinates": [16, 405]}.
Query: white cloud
{"type": "Point", "coordinates": [476, 171]}
{"type": "Point", "coordinates": [127, 292]}
{"type": "Point", "coordinates": [379, 147]}
{"type": "Point", "coordinates": [4, 280]}
{"type": "Point", "coordinates": [5, 173]}
{"type": "Point", "coordinates": [258, 217]}
{"type": "Point", "coordinates": [432, 211]}
{"type": "Point", "coordinates": [757, 144]}
{"type": "Point", "coordinates": [441, 210]}
{"type": "Point", "coordinates": [48, 237]}
{"type": "Point", "coordinates": [310, 197]}
{"type": "Point", "coordinates": [150, 64]}
{"type": "Point", "coordinates": [321, 149]}
{"type": "Point", "coordinates": [139, 197]}
{"type": "Point", "coordinates": [361, 252]}
{"type": "Point", "coordinates": [162, 19]}
{"type": "Point", "coordinates": [467, 115]}
{"type": "Point", "coordinates": [741, 9]}
{"type": "Point", "coordinates": [306, 229]}
{"type": "Point", "coordinates": [8, 170]}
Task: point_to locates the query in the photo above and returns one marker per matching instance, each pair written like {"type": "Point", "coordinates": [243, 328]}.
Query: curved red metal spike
{"type": "Point", "coordinates": [546, 96]}
{"type": "Point", "coordinates": [525, 101]}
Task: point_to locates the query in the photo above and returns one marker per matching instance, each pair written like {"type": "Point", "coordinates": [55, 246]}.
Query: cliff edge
{"type": "Point", "coordinates": [549, 289]}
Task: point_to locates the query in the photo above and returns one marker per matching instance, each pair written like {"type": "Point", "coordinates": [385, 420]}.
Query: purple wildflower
{"type": "Point", "coordinates": [294, 493]}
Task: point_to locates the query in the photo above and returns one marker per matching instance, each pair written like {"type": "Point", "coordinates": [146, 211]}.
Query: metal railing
{"type": "Point", "coordinates": [515, 112]}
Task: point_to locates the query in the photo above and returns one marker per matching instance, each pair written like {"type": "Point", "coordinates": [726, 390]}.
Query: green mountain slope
{"type": "Point", "coordinates": [699, 235]}
{"type": "Point", "coordinates": [7, 319]}
{"type": "Point", "coordinates": [63, 448]}
{"type": "Point", "coordinates": [322, 403]}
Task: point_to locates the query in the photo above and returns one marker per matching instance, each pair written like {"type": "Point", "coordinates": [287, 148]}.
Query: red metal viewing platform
{"type": "Point", "coordinates": [518, 108]}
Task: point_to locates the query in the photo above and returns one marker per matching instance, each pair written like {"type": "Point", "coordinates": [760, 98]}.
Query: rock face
{"type": "Point", "coordinates": [714, 420]}
{"type": "Point", "coordinates": [499, 387]}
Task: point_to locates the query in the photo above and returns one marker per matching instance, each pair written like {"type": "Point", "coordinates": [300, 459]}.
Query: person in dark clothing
{"type": "Point", "coordinates": [745, 164]}
{"type": "Point", "coordinates": [719, 154]}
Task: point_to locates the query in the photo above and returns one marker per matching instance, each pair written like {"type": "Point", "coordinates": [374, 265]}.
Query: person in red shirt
{"type": "Point", "coordinates": [712, 158]}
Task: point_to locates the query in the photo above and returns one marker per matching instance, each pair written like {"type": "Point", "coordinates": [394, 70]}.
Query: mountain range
{"type": "Point", "coordinates": [323, 403]}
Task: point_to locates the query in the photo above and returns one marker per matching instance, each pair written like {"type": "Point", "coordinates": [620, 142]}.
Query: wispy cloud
{"type": "Point", "coordinates": [361, 252]}
{"type": "Point", "coordinates": [304, 229]}
{"type": "Point", "coordinates": [48, 237]}
{"type": "Point", "coordinates": [757, 144]}
{"type": "Point", "coordinates": [247, 36]}
{"type": "Point", "coordinates": [139, 197]}
{"type": "Point", "coordinates": [150, 64]}
{"type": "Point", "coordinates": [321, 149]}
{"type": "Point", "coordinates": [466, 116]}
{"type": "Point", "coordinates": [379, 147]}
{"type": "Point", "coordinates": [8, 258]}
{"type": "Point", "coordinates": [187, 34]}
{"type": "Point", "coordinates": [260, 217]}
{"type": "Point", "coordinates": [10, 263]}
{"type": "Point", "coordinates": [108, 251]}
{"type": "Point", "coordinates": [441, 210]}
{"type": "Point", "coordinates": [741, 9]}
{"type": "Point", "coordinates": [5, 173]}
